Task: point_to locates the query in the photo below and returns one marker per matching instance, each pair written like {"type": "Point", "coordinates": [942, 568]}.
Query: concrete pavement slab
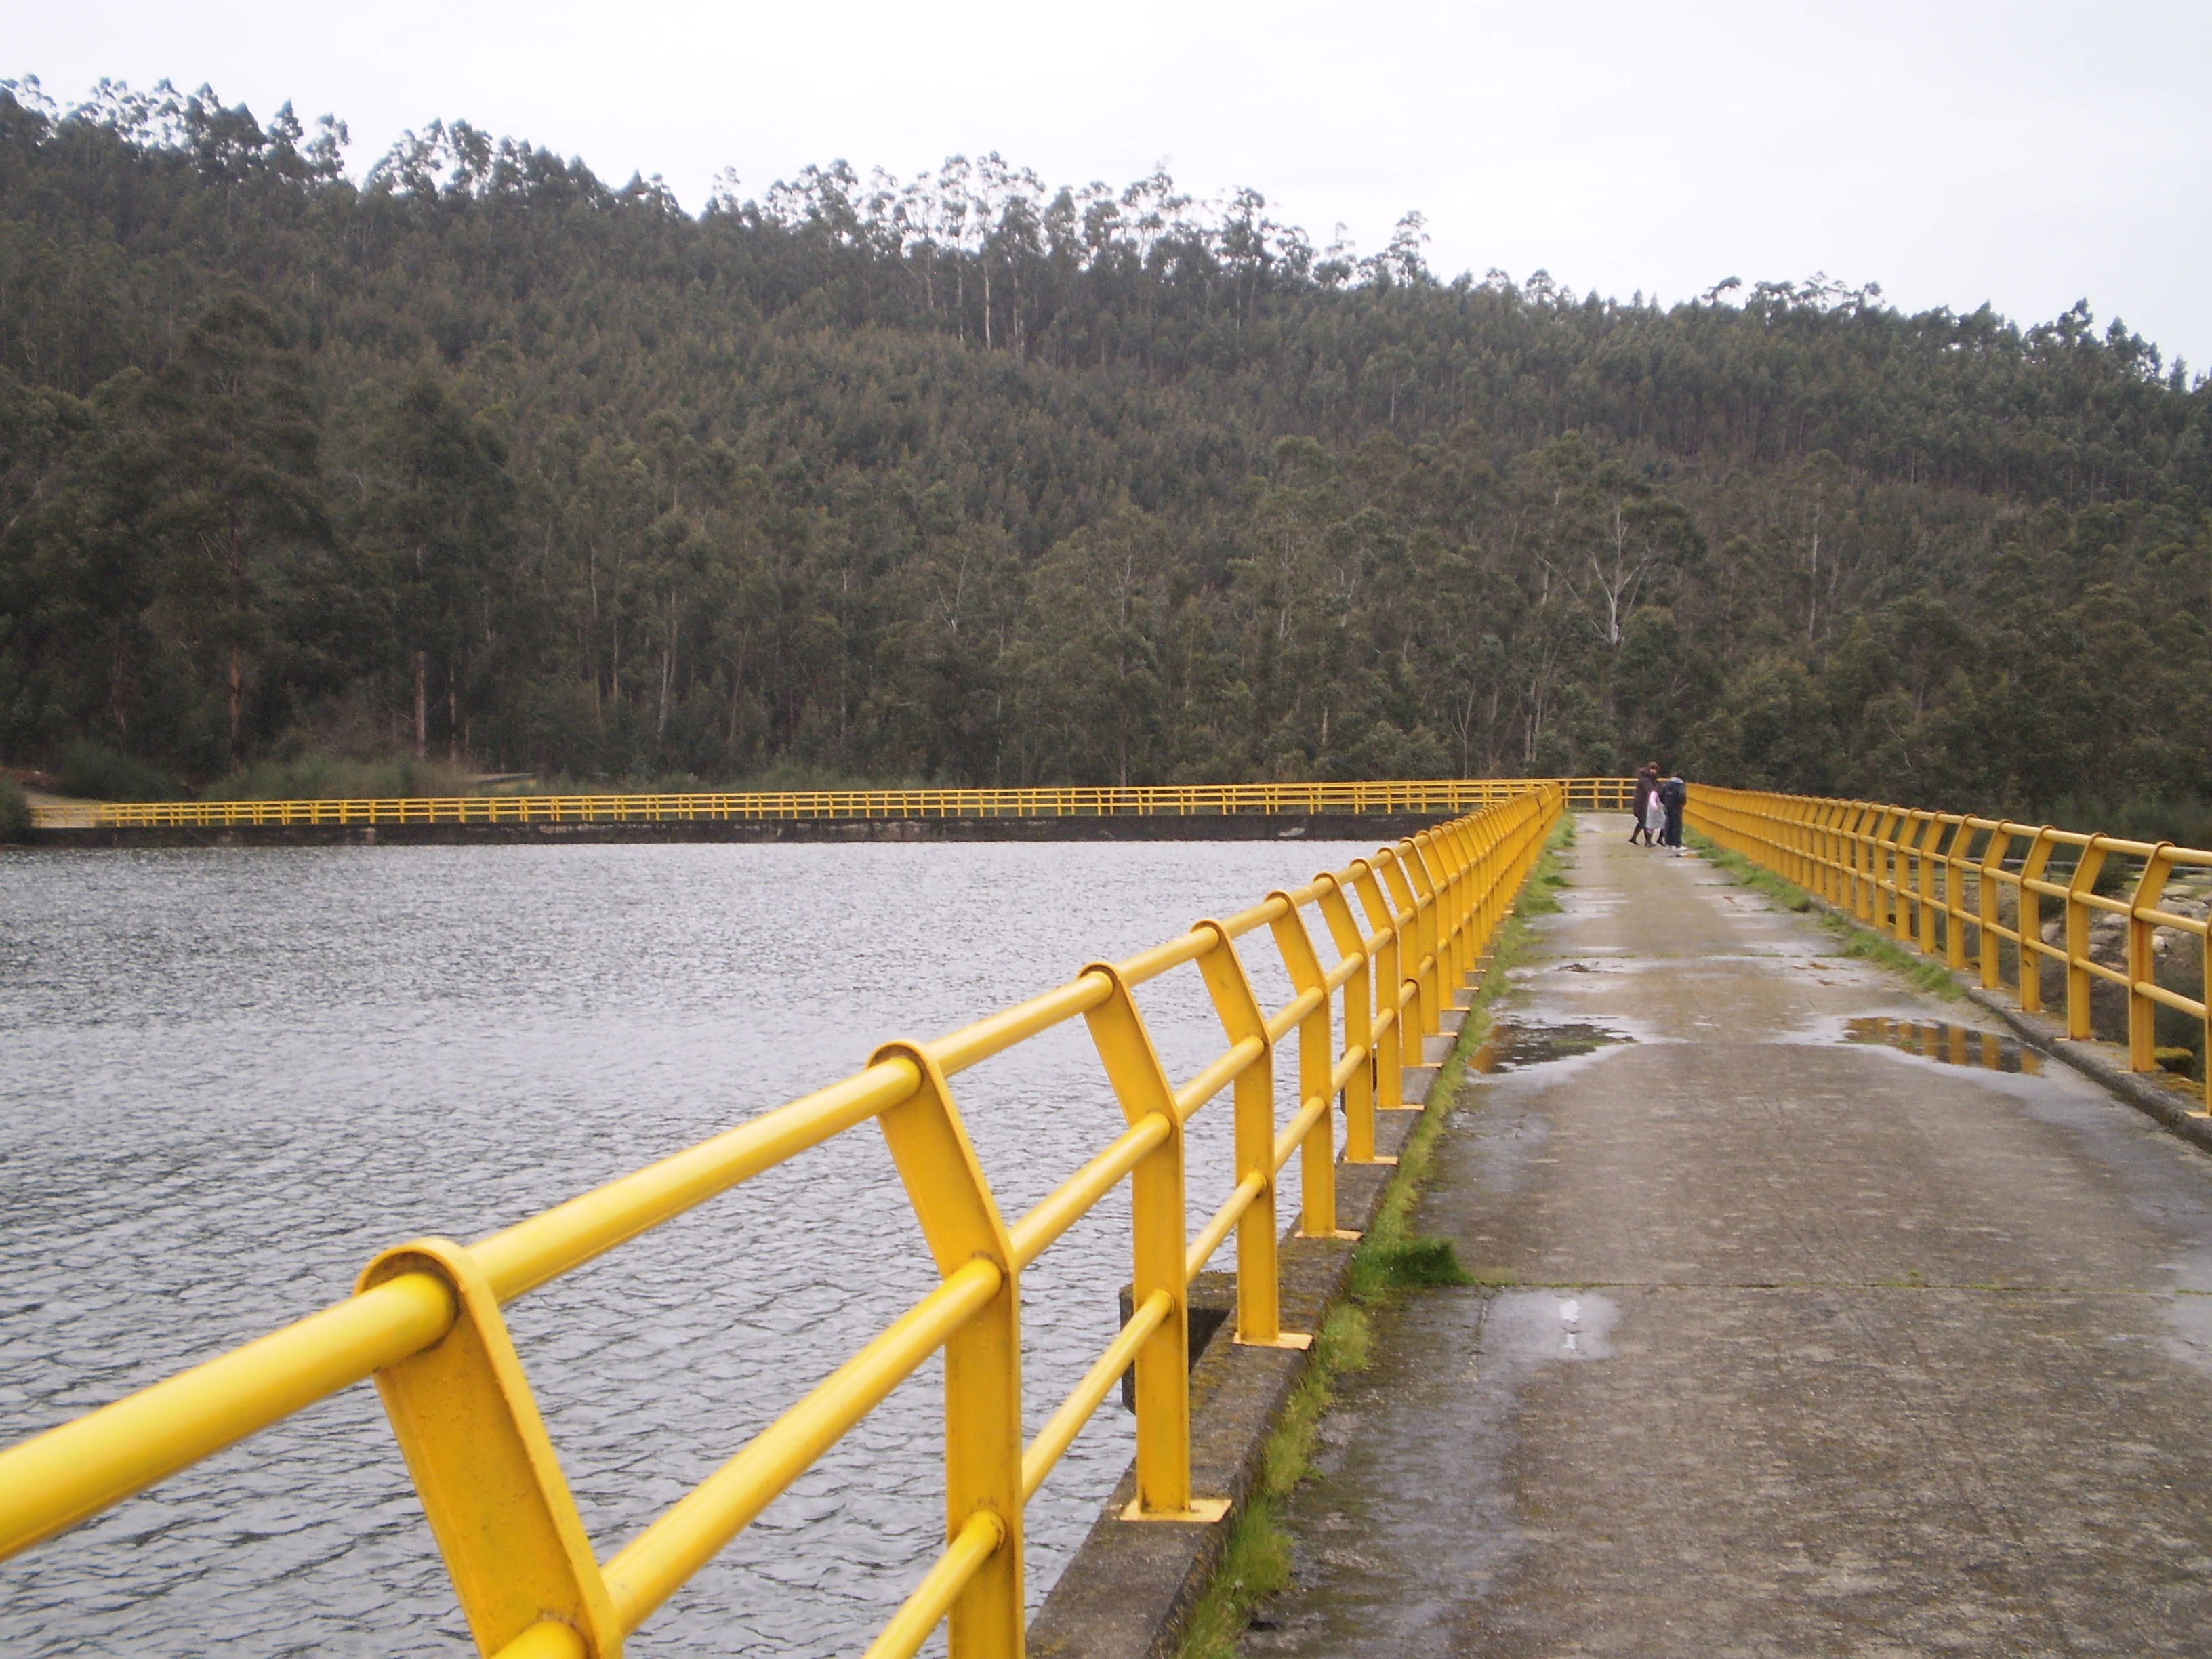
{"type": "Point", "coordinates": [1792, 1345]}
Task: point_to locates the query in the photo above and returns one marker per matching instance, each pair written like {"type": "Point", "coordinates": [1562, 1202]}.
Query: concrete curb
{"type": "Point", "coordinates": [1130, 1591]}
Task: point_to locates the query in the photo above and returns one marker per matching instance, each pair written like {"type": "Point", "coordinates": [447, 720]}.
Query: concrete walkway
{"type": "Point", "coordinates": [1811, 1348]}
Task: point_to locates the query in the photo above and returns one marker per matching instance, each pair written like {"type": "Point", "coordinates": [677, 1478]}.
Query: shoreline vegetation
{"type": "Point", "coordinates": [479, 464]}
{"type": "Point", "coordinates": [91, 773]}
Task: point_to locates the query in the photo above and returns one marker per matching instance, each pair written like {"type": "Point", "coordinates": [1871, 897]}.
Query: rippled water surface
{"type": "Point", "coordinates": [230, 1077]}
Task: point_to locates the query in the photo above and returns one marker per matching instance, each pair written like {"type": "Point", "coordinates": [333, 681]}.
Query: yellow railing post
{"type": "Point", "coordinates": [1406, 995]}
{"type": "Point", "coordinates": [2143, 961]}
{"type": "Point", "coordinates": [490, 1485]}
{"type": "Point", "coordinates": [1358, 1021]}
{"type": "Point", "coordinates": [1389, 1060]}
{"type": "Point", "coordinates": [1913, 879]}
{"type": "Point", "coordinates": [1863, 855]}
{"type": "Point", "coordinates": [1467, 853]}
{"type": "Point", "coordinates": [1926, 913]}
{"type": "Point", "coordinates": [1156, 1219]}
{"type": "Point", "coordinates": [1452, 868]}
{"type": "Point", "coordinates": [1430, 864]}
{"type": "Point", "coordinates": [1496, 850]}
{"type": "Point", "coordinates": [1847, 854]}
{"type": "Point", "coordinates": [1503, 844]}
{"type": "Point", "coordinates": [1955, 883]}
{"type": "Point", "coordinates": [1258, 1298]}
{"type": "Point", "coordinates": [1428, 1004]}
{"type": "Point", "coordinates": [1931, 836]}
{"type": "Point", "coordinates": [1894, 916]}
{"type": "Point", "coordinates": [2204, 1001]}
{"type": "Point", "coordinates": [1317, 1160]}
{"type": "Point", "coordinates": [1922, 934]}
{"type": "Point", "coordinates": [1437, 854]}
{"type": "Point", "coordinates": [1840, 893]}
{"type": "Point", "coordinates": [1989, 896]}
{"type": "Point", "coordinates": [1843, 857]}
{"type": "Point", "coordinates": [2031, 920]}
{"type": "Point", "coordinates": [1482, 853]}
{"type": "Point", "coordinates": [1903, 919]}
{"type": "Point", "coordinates": [2087, 863]}
{"type": "Point", "coordinates": [961, 1224]}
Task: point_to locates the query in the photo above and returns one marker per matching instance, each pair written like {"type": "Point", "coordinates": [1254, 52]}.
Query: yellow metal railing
{"type": "Point", "coordinates": [425, 1318]}
{"type": "Point", "coordinates": [1441, 796]}
{"type": "Point", "coordinates": [1939, 880]}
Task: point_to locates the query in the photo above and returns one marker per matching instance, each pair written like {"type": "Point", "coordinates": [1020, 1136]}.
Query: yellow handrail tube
{"type": "Point", "coordinates": [649, 1570]}
{"type": "Point", "coordinates": [65, 1474]}
{"type": "Point", "coordinates": [1059, 1434]}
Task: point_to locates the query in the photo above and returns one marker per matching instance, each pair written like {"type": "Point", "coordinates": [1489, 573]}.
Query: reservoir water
{"type": "Point", "coordinates": [228, 1078]}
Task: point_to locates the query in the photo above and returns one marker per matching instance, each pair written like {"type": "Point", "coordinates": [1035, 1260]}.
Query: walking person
{"type": "Point", "coordinates": [1646, 786]}
{"type": "Point", "coordinates": [1673, 794]}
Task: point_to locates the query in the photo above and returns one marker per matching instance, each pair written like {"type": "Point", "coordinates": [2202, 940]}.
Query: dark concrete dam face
{"type": "Point", "coordinates": [230, 1077]}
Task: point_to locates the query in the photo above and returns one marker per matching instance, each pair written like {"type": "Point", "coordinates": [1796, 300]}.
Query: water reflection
{"type": "Point", "coordinates": [1953, 1045]}
{"type": "Point", "coordinates": [1515, 1044]}
{"type": "Point", "coordinates": [232, 1077]}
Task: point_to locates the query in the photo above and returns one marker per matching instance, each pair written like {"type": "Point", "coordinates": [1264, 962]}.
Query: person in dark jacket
{"type": "Point", "coordinates": [1673, 794]}
{"type": "Point", "coordinates": [1647, 785]}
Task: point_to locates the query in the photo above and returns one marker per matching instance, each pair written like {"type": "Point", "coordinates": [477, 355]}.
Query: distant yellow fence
{"type": "Point", "coordinates": [1940, 880]}
{"type": "Point", "coordinates": [1442, 796]}
{"type": "Point", "coordinates": [425, 1318]}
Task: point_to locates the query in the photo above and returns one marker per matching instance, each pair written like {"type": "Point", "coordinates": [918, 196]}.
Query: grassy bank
{"type": "Point", "coordinates": [1391, 1260]}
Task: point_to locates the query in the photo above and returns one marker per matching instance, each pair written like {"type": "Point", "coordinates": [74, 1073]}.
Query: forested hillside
{"type": "Point", "coordinates": [967, 479]}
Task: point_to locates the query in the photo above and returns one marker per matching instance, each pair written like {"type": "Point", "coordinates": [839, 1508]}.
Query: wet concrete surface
{"type": "Point", "coordinates": [1788, 1345]}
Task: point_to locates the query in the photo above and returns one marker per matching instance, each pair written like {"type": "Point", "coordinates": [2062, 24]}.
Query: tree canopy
{"type": "Point", "coordinates": [974, 479]}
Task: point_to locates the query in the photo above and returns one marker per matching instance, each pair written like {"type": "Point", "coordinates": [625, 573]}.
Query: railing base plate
{"type": "Point", "coordinates": [1202, 1512]}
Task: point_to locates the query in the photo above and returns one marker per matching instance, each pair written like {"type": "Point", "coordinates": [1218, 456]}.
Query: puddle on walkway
{"type": "Point", "coordinates": [1523, 1327]}
{"type": "Point", "coordinates": [1939, 1039]}
{"type": "Point", "coordinates": [1514, 1046]}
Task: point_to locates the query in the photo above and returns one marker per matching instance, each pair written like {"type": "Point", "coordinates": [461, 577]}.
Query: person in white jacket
{"type": "Point", "coordinates": [1647, 785]}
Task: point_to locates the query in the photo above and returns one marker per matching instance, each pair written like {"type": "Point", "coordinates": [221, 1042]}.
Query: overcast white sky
{"type": "Point", "coordinates": [2028, 154]}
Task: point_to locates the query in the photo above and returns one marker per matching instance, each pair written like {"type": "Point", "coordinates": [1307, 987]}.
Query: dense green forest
{"type": "Point", "coordinates": [972, 479]}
